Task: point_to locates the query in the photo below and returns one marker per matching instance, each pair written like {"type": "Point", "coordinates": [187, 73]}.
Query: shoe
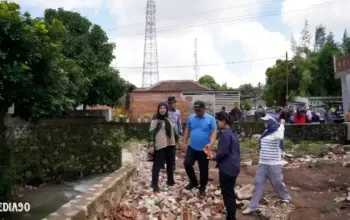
{"type": "Point", "coordinates": [248, 211]}
{"type": "Point", "coordinates": [202, 191]}
{"type": "Point", "coordinates": [285, 201]}
{"type": "Point", "coordinates": [156, 189]}
{"type": "Point", "coordinates": [190, 186]}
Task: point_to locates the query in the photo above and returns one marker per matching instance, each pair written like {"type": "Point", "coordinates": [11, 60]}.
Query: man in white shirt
{"type": "Point", "coordinates": [309, 114]}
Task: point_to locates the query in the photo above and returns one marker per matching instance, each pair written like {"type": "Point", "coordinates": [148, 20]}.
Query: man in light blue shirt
{"type": "Point", "coordinates": [201, 128]}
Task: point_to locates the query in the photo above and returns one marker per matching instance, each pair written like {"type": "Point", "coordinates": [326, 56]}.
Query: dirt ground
{"type": "Point", "coordinates": [312, 189]}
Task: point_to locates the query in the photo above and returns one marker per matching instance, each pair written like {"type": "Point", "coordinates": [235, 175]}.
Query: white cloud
{"type": "Point", "coordinates": [333, 14]}
{"type": "Point", "coordinates": [176, 46]}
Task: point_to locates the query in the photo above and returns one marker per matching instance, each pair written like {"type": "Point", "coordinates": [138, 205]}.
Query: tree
{"type": "Point", "coordinates": [313, 70]}
{"type": "Point", "coordinates": [346, 42]}
{"type": "Point", "coordinates": [35, 76]}
{"type": "Point", "coordinates": [208, 81]}
{"type": "Point", "coordinates": [247, 105]}
{"type": "Point", "coordinates": [305, 39]}
{"type": "Point", "coordinates": [247, 89]}
{"type": "Point", "coordinates": [306, 65]}
{"type": "Point", "coordinates": [275, 88]}
{"type": "Point", "coordinates": [320, 38]}
{"type": "Point", "coordinates": [293, 44]}
{"type": "Point", "coordinates": [325, 72]}
{"type": "Point", "coordinates": [88, 45]}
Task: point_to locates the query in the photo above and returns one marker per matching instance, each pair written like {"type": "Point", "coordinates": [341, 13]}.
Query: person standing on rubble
{"type": "Point", "coordinates": [163, 138]}
{"type": "Point", "coordinates": [269, 165]}
{"type": "Point", "coordinates": [175, 117]}
{"type": "Point", "coordinates": [201, 129]}
{"type": "Point", "coordinates": [228, 161]}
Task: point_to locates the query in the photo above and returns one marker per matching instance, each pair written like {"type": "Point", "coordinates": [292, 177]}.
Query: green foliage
{"type": "Point", "coordinates": [311, 72]}
{"type": "Point", "coordinates": [247, 104]}
{"type": "Point", "coordinates": [209, 82]}
{"type": "Point", "coordinates": [288, 145]}
{"type": "Point", "coordinates": [275, 89]}
{"type": "Point", "coordinates": [88, 45]}
{"type": "Point", "coordinates": [249, 144]}
{"type": "Point", "coordinates": [318, 149]}
{"type": "Point", "coordinates": [346, 42]}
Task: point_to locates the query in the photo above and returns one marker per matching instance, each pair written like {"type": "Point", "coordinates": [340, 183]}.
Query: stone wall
{"type": "Point", "coordinates": [63, 151]}
{"type": "Point", "coordinates": [59, 152]}
{"type": "Point", "coordinates": [295, 133]}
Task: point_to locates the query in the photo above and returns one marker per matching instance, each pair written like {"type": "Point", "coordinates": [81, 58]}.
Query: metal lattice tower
{"type": "Point", "coordinates": [150, 74]}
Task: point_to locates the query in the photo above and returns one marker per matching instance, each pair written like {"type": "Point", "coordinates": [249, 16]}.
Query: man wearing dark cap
{"type": "Point", "coordinates": [175, 117]}
{"type": "Point", "coordinates": [201, 129]}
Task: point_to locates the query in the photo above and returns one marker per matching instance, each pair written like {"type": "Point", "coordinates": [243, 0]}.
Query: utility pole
{"type": "Point", "coordinates": [195, 67]}
{"type": "Point", "coordinates": [287, 73]}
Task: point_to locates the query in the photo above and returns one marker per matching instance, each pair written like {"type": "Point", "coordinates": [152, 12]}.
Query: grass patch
{"type": "Point", "coordinates": [318, 149]}
{"type": "Point", "coordinates": [327, 208]}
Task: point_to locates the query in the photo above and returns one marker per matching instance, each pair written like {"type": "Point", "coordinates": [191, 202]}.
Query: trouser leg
{"type": "Point", "coordinates": [169, 157]}
{"type": "Point", "coordinates": [203, 164]}
{"type": "Point", "coordinates": [259, 184]}
{"type": "Point", "coordinates": [190, 159]}
{"type": "Point", "coordinates": [227, 184]}
{"type": "Point", "coordinates": [275, 176]}
{"type": "Point", "coordinates": [159, 158]}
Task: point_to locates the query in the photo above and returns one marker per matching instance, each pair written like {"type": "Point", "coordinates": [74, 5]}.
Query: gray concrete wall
{"type": "Point", "coordinates": [208, 99]}
{"type": "Point", "coordinates": [345, 83]}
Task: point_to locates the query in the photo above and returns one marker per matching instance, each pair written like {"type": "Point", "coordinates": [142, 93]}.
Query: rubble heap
{"type": "Point", "coordinates": [141, 203]}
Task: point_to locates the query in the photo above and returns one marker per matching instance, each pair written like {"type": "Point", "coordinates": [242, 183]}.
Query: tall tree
{"type": "Point", "coordinates": [320, 38]}
{"type": "Point", "coordinates": [346, 42]}
{"type": "Point", "coordinates": [325, 71]}
{"type": "Point", "coordinates": [293, 44]}
{"type": "Point", "coordinates": [305, 38]}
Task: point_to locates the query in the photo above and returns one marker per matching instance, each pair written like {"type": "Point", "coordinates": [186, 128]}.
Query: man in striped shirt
{"type": "Point", "coordinates": [269, 164]}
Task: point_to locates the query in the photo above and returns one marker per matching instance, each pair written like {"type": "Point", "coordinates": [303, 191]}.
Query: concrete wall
{"type": "Point", "coordinates": [345, 83]}
{"type": "Point", "coordinates": [258, 102]}
{"type": "Point", "coordinates": [145, 103]}
{"type": "Point", "coordinates": [208, 99]}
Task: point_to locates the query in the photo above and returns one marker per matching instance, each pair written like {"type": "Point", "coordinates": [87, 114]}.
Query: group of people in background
{"type": "Point", "coordinates": [201, 131]}
{"type": "Point", "coordinates": [302, 115]}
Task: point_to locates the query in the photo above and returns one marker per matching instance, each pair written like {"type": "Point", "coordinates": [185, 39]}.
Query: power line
{"type": "Point", "coordinates": [204, 65]}
{"type": "Point", "coordinates": [244, 17]}
{"type": "Point", "coordinates": [191, 14]}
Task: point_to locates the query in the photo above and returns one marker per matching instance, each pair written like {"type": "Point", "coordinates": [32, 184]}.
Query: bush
{"type": "Point", "coordinates": [318, 149]}
{"type": "Point", "coordinates": [250, 144]}
{"type": "Point", "coordinates": [288, 145]}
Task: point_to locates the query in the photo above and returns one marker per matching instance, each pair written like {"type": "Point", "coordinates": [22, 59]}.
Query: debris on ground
{"type": "Point", "coordinates": [123, 212]}
{"type": "Point", "coordinates": [168, 204]}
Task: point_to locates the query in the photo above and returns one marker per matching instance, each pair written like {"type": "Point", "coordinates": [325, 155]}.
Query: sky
{"type": "Point", "coordinates": [241, 37]}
